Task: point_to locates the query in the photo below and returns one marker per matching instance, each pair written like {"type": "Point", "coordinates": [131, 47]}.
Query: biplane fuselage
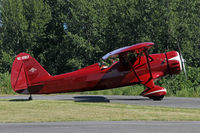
{"type": "Point", "coordinates": [28, 77]}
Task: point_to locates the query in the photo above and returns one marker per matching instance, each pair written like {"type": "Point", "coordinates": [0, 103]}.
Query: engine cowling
{"type": "Point", "coordinates": [174, 62]}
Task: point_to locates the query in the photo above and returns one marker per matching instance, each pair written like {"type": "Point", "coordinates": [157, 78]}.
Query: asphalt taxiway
{"type": "Point", "coordinates": [178, 102]}
{"type": "Point", "coordinates": [102, 127]}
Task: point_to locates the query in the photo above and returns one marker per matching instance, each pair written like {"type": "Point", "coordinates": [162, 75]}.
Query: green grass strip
{"type": "Point", "coordinates": [59, 111]}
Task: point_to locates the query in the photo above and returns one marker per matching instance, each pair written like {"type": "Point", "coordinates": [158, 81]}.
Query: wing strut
{"type": "Point", "coordinates": [146, 54]}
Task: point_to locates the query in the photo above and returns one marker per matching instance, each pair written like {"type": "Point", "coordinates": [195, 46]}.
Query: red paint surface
{"type": "Point", "coordinates": [28, 76]}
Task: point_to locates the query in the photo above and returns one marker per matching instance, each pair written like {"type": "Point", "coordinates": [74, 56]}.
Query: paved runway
{"type": "Point", "coordinates": [103, 127]}
{"type": "Point", "coordinates": [178, 102]}
{"type": "Point", "coordinates": [108, 126]}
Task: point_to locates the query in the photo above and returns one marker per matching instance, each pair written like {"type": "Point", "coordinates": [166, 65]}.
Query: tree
{"type": "Point", "coordinates": [23, 24]}
{"type": "Point", "coordinates": [185, 29]}
{"type": "Point", "coordinates": [14, 26]}
{"type": "Point", "coordinates": [38, 15]}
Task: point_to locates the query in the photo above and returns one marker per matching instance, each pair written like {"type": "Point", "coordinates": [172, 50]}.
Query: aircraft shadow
{"type": "Point", "coordinates": [91, 99]}
{"type": "Point", "coordinates": [19, 100]}
{"type": "Point", "coordinates": [132, 99]}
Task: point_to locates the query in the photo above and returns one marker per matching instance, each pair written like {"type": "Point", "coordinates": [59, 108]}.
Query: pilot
{"type": "Point", "coordinates": [125, 58]}
{"type": "Point", "coordinates": [103, 65]}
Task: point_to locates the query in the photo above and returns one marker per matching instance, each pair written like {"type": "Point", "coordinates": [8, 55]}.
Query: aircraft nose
{"type": "Point", "coordinates": [174, 62]}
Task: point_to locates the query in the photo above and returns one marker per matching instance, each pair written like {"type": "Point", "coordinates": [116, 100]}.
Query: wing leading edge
{"type": "Point", "coordinates": [136, 47]}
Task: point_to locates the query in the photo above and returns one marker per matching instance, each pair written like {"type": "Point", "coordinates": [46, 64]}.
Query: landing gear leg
{"type": "Point", "coordinates": [30, 97]}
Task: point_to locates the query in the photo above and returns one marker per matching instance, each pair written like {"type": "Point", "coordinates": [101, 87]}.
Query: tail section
{"type": "Point", "coordinates": [26, 71]}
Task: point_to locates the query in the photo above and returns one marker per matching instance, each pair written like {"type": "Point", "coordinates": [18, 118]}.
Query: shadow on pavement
{"type": "Point", "coordinates": [91, 99]}
{"type": "Point", "coordinates": [19, 100]}
{"type": "Point", "coordinates": [131, 99]}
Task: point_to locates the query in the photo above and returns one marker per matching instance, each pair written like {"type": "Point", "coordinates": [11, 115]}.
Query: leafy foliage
{"type": "Point", "coordinates": [65, 35]}
{"type": "Point", "coordinates": [5, 85]}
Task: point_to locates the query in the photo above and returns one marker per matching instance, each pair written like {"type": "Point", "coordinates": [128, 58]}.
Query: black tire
{"type": "Point", "coordinates": [157, 98]}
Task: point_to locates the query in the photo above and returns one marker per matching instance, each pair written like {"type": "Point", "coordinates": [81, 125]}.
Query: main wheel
{"type": "Point", "coordinates": [157, 98]}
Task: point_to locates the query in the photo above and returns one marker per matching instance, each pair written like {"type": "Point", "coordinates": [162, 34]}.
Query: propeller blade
{"type": "Point", "coordinates": [185, 72]}
{"type": "Point", "coordinates": [182, 61]}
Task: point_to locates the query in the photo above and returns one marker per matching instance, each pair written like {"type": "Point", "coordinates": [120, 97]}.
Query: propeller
{"type": "Point", "coordinates": [182, 61]}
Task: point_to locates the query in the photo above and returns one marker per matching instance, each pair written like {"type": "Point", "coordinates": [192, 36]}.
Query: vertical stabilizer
{"type": "Point", "coordinates": [26, 71]}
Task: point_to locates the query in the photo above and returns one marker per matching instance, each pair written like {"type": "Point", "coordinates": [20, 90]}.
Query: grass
{"type": "Point", "coordinates": [59, 111]}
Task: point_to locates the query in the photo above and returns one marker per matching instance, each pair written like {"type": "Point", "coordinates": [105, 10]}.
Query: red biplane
{"type": "Point", "coordinates": [133, 66]}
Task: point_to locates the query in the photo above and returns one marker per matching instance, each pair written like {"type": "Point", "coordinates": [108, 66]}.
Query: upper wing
{"type": "Point", "coordinates": [136, 47]}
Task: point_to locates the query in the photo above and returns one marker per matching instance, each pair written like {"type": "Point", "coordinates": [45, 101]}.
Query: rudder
{"type": "Point", "coordinates": [26, 71]}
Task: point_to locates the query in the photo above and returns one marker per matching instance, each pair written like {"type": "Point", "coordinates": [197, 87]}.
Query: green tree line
{"type": "Point", "coordinates": [65, 35]}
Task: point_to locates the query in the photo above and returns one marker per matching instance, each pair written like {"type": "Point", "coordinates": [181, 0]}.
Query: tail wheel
{"type": "Point", "coordinates": [157, 98]}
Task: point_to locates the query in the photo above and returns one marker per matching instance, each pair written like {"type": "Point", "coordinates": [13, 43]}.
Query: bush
{"type": "Point", "coordinates": [128, 90]}
{"type": "Point", "coordinates": [5, 61]}
{"type": "Point", "coordinates": [5, 85]}
{"type": "Point", "coordinates": [178, 85]}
